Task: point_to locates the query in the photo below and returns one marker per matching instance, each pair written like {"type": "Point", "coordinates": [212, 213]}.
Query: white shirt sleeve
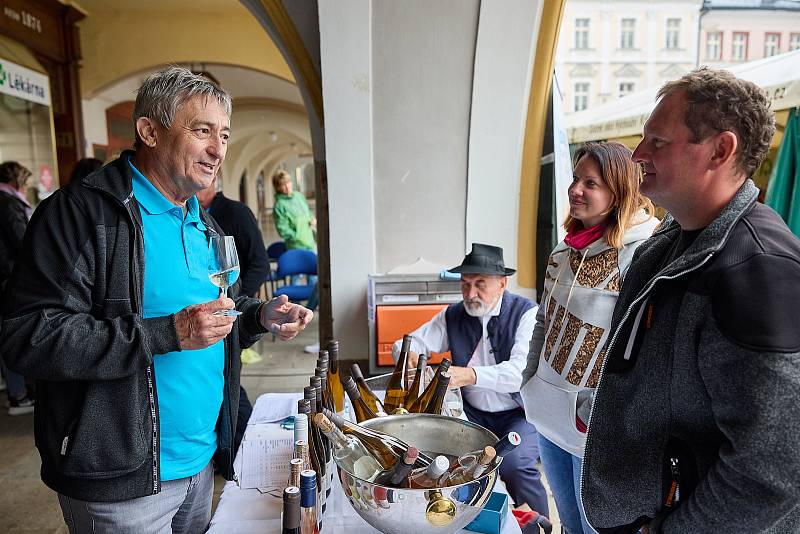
{"type": "Point", "coordinates": [430, 337]}
{"type": "Point", "coordinates": [506, 377]}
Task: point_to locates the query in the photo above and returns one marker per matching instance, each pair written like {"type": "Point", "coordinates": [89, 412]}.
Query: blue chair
{"type": "Point", "coordinates": [274, 252]}
{"type": "Point", "coordinates": [294, 262]}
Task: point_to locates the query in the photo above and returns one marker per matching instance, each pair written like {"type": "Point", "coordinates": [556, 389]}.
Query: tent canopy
{"type": "Point", "coordinates": [778, 75]}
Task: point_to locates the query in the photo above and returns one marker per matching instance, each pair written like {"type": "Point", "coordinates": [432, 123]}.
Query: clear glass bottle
{"type": "Point", "coordinates": [504, 446]}
{"type": "Point", "coordinates": [301, 452]}
{"type": "Point", "coordinates": [430, 477]}
{"type": "Point", "coordinates": [295, 467]}
{"type": "Point", "coordinates": [349, 451]}
{"type": "Point", "coordinates": [462, 475]}
{"type": "Point", "coordinates": [309, 515]}
{"type": "Point", "coordinates": [396, 388]}
{"type": "Point", "coordinates": [388, 450]}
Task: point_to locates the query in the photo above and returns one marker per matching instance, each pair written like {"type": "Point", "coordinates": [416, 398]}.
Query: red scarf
{"type": "Point", "coordinates": [579, 237]}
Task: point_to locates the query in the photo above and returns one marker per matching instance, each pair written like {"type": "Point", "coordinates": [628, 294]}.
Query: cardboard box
{"type": "Point", "coordinates": [493, 516]}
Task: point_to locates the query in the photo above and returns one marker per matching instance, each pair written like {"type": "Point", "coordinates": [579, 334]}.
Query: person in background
{"type": "Point", "coordinates": [15, 211]}
{"type": "Point", "coordinates": [236, 220]}
{"type": "Point", "coordinates": [693, 424]}
{"type": "Point", "coordinates": [296, 225]}
{"type": "Point", "coordinates": [85, 167]}
{"type": "Point", "coordinates": [488, 335]}
{"type": "Point", "coordinates": [111, 309]}
{"type": "Point", "coordinates": [293, 219]}
{"type": "Point", "coordinates": [607, 220]}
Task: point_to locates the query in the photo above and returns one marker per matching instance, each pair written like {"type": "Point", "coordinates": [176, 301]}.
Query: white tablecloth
{"type": "Point", "coordinates": [250, 511]}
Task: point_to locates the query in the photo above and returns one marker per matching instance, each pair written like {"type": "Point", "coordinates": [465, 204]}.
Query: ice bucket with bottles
{"type": "Point", "coordinates": [443, 510]}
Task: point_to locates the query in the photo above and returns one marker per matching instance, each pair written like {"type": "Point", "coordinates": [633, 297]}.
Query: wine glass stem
{"type": "Point", "coordinates": [225, 292]}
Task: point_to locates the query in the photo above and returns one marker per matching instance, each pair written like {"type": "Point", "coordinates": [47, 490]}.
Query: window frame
{"type": "Point", "coordinates": [794, 41]}
{"type": "Point", "coordinates": [718, 56]}
{"type": "Point", "coordinates": [672, 32]}
{"type": "Point", "coordinates": [777, 43]}
{"type": "Point", "coordinates": [745, 48]}
{"type": "Point", "coordinates": [631, 32]}
{"type": "Point", "coordinates": [584, 96]}
{"type": "Point", "coordinates": [581, 34]}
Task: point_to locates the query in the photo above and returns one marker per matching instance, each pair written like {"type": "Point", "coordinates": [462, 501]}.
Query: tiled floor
{"type": "Point", "coordinates": [27, 506]}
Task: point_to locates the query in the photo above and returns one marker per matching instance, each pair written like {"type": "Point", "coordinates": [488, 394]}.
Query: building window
{"type": "Point", "coordinates": [581, 99]}
{"type": "Point", "coordinates": [627, 34]}
{"type": "Point", "coordinates": [714, 45]}
{"type": "Point", "coordinates": [772, 44]}
{"type": "Point", "coordinates": [626, 88]}
{"type": "Point", "coordinates": [673, 34]}
{"type": "Point", "coordinates": [794, 41]}
{"type": "Point", "coordinates": [739, 46]}
{"type": "Point", "coordinates": [581, 34]}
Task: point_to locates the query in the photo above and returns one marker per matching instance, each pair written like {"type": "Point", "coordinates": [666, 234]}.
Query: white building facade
{"type": "Point", "coordinates": [608, 49]}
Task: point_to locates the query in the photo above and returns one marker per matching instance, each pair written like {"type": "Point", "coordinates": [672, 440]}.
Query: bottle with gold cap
{"type": "Point", "coordinates": [396, 388]}
{"type": "Point", "coordinates": [369, 397]}
{"type": "Point", "coordinates": [361, 410]}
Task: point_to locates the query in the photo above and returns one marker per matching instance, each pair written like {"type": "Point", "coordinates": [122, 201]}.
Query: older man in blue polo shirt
{"type": "Point", "coordinates": [111, 310]}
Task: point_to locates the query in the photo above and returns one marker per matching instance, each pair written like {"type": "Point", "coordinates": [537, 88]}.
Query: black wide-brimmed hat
{"type": "Point", "coordinates": [483, 259]}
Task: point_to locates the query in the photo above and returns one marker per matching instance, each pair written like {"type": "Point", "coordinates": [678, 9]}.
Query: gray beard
{"type": "Point", "coordinates": [478, 311]}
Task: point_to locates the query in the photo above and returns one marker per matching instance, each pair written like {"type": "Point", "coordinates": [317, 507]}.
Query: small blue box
{"type": "Point", "coordinates": [493, 516]}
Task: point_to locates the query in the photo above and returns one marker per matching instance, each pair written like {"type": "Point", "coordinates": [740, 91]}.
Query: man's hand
{"type": "Point", "coordinates": [283, 318]}
{"type": "Point", "coordinates": [462, 376]}
{"type": "Point", "coordinates": [413, 359]}
{"type": "Point", "coordinates": [198, 327]}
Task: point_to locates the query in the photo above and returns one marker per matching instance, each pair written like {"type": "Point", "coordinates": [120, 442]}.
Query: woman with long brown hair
{"type": "Point", "coordinates": [607, 220]}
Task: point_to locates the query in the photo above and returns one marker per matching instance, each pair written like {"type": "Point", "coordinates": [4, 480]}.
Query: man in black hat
{"type": "Point", "coordinates": [488, 335]}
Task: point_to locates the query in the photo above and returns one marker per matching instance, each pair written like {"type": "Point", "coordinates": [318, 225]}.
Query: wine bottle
{"type": "Point", "coordinates": [295, 467]}
{"type": "Point", "coordinates": [430, 477]}
{"type": "Point", "coordinates": [348, 451]}
{"type": "Point", "coordinates": [386, 449]}
{"type": "Point", "coordinates": [398, 474]}
{"type": "Point", "coordinates": [327, 399]}
{"type": "Point", "coordinates": [301, 427]}
{"type": "Point", "coordinates": [308, 503]}
{"type": "Point", "coordinates": [334, 377]}
{"type": "Point", "coordinates": [504, 446]}
{"type": "Point", "coordinates": [315, 450]}
{"type": "Point", "coordinates": [419, 378]}
{"type": "Point", "coordinates": [422, 402]}
{"type": "Point", "coordinates": [360, 408]}
{"type": "Point", "coordinates": [437, 402]}
{"type": "Point", "coordinates": [291, 510]}
{"type": "Point", "coordinates": [325, 458]}
{"type": "Point", "coordinates": [396, 388]}
{"type": "Point", "coordinates": [366, 393]}
{"type": "Point", "coordinates": [462, 475]}
{"type": "Point", "coordinates": [301, 452]}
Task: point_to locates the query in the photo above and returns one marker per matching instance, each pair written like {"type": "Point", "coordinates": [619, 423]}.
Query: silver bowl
{"type": "Point", "coordinates": [441, 510]}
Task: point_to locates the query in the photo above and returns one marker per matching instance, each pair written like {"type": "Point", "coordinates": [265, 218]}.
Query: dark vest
{"type": "Point", "coordinates": [464, 331]}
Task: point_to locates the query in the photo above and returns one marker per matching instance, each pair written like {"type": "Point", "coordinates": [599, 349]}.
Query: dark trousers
{"type": "Point", "coordinates": [518, 470]}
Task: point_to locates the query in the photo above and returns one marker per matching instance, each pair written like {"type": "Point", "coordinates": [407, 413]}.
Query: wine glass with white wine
{"type": "Point", "coordinates": [223, 266]}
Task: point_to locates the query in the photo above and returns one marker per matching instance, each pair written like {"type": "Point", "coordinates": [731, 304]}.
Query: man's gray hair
{"type": "Point", "coordinates": [162, 92]}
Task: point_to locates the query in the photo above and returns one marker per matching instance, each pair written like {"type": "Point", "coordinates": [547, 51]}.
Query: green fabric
{"type": "Point", "coordinates": [783, 193]}
{"type": "Point", "coordinates": [293, 221]}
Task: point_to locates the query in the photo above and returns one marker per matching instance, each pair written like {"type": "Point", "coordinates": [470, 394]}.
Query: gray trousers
{"type": "Point", "coordinates": [183, 506]}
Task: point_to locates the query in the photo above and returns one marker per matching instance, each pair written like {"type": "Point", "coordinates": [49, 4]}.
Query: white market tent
{"type": "Point", "coordinates": [779, 75]}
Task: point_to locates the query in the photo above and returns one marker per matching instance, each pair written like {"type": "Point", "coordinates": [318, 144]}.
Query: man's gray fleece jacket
{"type": "Point", "coordinates": [72, 320]}
{"type": "Point", "coordinates": [702, 387]}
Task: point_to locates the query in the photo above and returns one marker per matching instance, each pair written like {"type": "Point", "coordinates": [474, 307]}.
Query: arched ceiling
{"type": "Point", "coordinates": [126, 36]}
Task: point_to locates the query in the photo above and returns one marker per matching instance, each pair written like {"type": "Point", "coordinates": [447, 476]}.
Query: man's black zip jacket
{"type": "Point", "coordinates": [72, 320]}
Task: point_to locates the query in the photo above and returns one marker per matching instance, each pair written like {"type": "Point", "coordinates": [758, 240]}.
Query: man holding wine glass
{"type": "Point", "coordinates": [112, 309]}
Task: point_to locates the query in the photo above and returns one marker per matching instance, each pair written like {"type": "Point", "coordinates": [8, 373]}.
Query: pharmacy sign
{"type": "Point", "coordinates": [24, 83]}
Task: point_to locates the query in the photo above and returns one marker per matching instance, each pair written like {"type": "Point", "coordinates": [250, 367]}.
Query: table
{"type": "Point", "coordinates": [249, 511]}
